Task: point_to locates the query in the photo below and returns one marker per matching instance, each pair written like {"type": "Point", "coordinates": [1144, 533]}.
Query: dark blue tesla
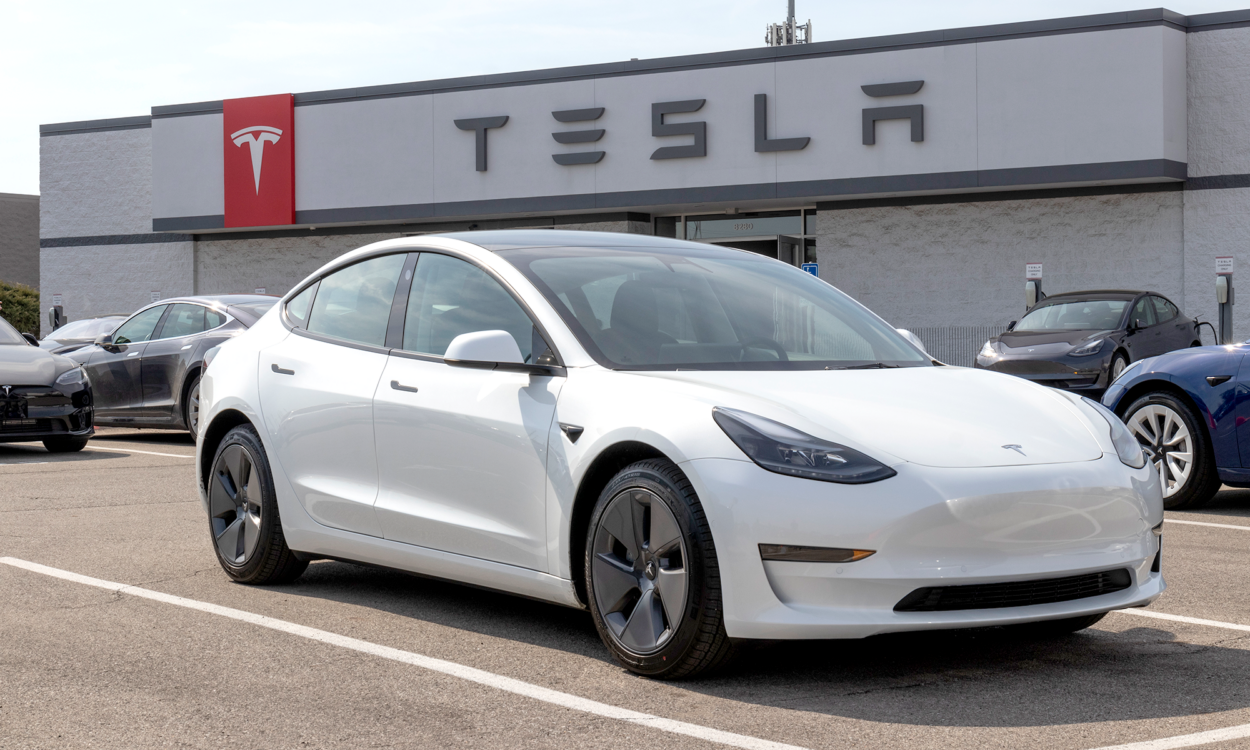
{"type": "Point", "coordinates": [1190, 410]}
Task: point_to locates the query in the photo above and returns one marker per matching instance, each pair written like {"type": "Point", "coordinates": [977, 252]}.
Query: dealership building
{"type": "Point", "coordinates": [919, 173]}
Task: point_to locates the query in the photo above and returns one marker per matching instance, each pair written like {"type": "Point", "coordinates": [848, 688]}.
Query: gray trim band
{"type": "Point", "coordinates": [187, 110]}
{"type": "Point", "coordinates": [810, 189]}
{"type": "Point", "coordinates": [96, 126]}
{"type": "Point", "coordinates": [113, 239]}
{"type": "Point", "coordinates": [1218, 182]}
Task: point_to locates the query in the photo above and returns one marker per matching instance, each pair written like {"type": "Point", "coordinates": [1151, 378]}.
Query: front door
{"type": "Point", "coordinates": [1147, 339]}
{"type": "Point", "coordinates": [168, 355]}
{"type": "Point", "coordinates": [116, 371]}
{"type": "Point", "coordinates": [1175, 329]}
{"type": "Point", "coordinates": [462, 452]}
{"type": "Point", "coordinates": [316, 392]}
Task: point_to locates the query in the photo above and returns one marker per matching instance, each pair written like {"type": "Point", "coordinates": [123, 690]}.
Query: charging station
{"type": "Point", "coordinates": [1224, 296]}
{"type": "Point", "coordinates": [1032, 285]}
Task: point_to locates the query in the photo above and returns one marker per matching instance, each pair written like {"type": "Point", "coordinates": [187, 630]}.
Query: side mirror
{"type": "Point", "coordinates": [490, 350]}
{"type": "Point", "coordinates": [914, 339]}
{"type": "Point", "coordinates": [30, 339]}
{"type": "Point", "coordinates": [104, 340]}
{"type": "Point", "coordinates": [1012, 325]}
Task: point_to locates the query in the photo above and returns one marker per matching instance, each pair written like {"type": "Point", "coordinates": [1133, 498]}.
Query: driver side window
{"type": "Point", "coordinates": [1143, 314]}
{"type": "Point", "coordinates": [140, 327]}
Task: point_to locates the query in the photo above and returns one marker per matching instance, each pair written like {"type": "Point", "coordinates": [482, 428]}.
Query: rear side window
{"type": "Point", "coordinates": [1164, 310]}
{"type": "Point", "coordinates": [297, 308]}
{"type": "Point", "coordinates": [140, 327]}
{"type": "Point", "coordinates": [354, 303]}
{"type": "Point", "coordinates": [183, 320]}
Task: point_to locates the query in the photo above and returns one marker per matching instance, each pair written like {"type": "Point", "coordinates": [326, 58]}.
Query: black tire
{"type": "Point", "coordinates": [1056, 628]}
{"type": "Point", "coordinates": [695, 644]}
{"type": "Point", "coordinates": [1118, 363]}
{"type": "Point", "coordinates": [1203, 480]}
{"type": "Point", "coordinates": [65, 444]}
{"type": "Point", "coordinates": [191, 406]}
{"type": "Point", "coordinates": [269, 560]}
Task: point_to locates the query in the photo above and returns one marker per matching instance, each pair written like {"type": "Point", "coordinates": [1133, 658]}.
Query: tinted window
{"type": "Point", "coordinates": [1078, 315]}
{"type": "Point", "coordinates": [450, 297]}
{"type": "Point", "coordinates": [1143, 313]}
{"type": "Point", "coordinates": [354, 303]}
{"type": "Point", "coordinates": [140, 327]}
{"type": "Point", "coordinates": [183, 320]}
{"type": "Point", "coordinates": [1164, 310]}
{"type": "Point", "coordinates": [297, 308]}
{"type": "Point", "coordinates": [707, 309]}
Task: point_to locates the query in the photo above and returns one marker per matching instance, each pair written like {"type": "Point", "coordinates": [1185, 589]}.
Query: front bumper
{"type": "Point", "coordinates": [1080, 374]}
{"type": "Point", "coordinates": [32, 413]}
{"type": "Point", "coordinates": [930, 527]}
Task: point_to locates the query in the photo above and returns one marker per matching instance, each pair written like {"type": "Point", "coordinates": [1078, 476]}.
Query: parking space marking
{"type": "Point", "coordinates": [471, 674]}
{"type": "Point", "coordinates": [1238, 732]}
{"type": "Point", "coordinates": [1213, 525]}
{"type": "Point", "coordinates": [1182, 618]}
{"type": "Point", "coordinates": [146, 453]}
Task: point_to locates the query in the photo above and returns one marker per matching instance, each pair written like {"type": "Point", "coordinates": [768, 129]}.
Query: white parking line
{"type": "Point", "coordinates": [1187, 740]}
{"type": "Point", "coordinates": [1213, 525]}
{"type": "Point", "coordinates": [471, 674]}
{"type": "Point", "coordinates": [146, 453]}
{"type": "Point", "coordinates": [1182, 618]}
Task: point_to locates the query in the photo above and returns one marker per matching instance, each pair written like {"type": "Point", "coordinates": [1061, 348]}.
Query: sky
{"type": "Point", "coordinates": [72, 60]}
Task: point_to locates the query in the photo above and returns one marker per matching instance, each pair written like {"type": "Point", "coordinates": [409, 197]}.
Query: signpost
{"type": "Point", "coordinates": [812, 268]}
{"type": "Point", "coordinates": [1224, 296]}
{"type": "Point", "coordinates": [1032, 285]}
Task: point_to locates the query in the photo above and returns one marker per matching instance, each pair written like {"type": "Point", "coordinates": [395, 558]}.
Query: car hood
{"type": "Point", "coordinates": [950, 417]}
{"type": "Point", "coordinates": [1020, 339]}
{"type": "Point", "coordinates": [30, 365]}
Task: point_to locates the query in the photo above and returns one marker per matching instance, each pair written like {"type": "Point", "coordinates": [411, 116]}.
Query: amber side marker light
{"type": "Point", "coordinates": [791, 553]}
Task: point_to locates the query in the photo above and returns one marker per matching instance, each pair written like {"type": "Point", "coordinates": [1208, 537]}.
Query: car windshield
{"type": "Point", "coordinates": [85, 329]}
{"type": "Point", "coordinates": [1078, 315]}
{"type": "Point", "coordinates": [9, 334]}
{"type": "Point", "coordinates": [713, 309]}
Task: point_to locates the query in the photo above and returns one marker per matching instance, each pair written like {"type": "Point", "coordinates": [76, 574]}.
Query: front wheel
{"type": "Point", "coordinates": [652, 577]}
{"type": "Point", "coordinates": [1175, 439]}
{"type": "Point", "coordinates": [1118, 363]}
{"type": "Point", "coordinates": [243, 513]}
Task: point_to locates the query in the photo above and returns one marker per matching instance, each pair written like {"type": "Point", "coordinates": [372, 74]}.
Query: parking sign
{"type": "Point", "coordinates": [812, 268]}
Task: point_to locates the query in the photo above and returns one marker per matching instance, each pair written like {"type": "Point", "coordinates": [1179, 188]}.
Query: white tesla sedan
{"type": "Point", "coordinates": [698, 444]}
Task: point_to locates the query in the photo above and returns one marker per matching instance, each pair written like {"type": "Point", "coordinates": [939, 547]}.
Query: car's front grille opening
{"type": "Point", "coordinates": [1014, 593]}
{"type": "Point", "coordinates": [22, 426]}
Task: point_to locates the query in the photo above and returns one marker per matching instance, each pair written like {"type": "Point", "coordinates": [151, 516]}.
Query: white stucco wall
{"type": "Point", "coordinates": [94, 184]}
{"type": "Point", "coordinates": [101, 279]}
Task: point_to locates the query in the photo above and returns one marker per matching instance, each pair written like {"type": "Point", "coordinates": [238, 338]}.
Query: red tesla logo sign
{"type": "Point", "coordinates": [259, 160]}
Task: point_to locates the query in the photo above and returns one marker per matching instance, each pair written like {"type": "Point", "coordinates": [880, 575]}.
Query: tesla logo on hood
{"type": "Point", "coordinates": [8, 389]}
{"type": "Point", "coordinates": [1013, 447]}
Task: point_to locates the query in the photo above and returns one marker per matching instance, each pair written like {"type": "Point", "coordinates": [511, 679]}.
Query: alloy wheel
{"type": "Point", "coordinates": [639, 571]}
{"type": "Point", "coordinates": [1167, 441]}
{"type": "Point", "coordinates": [193, 410]}
{"type": "Point", "coordinates": [234, 503]}
{"type": "Point", "coordinates": [1117, 366]}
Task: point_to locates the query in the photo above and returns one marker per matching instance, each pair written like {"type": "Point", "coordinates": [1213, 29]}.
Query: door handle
{"type": "Point", "coordinates": [400, 387]}
{"type": "Point", "coordinates": [282, 371]}
{"type": "Point", "coordinates": [133, 354]}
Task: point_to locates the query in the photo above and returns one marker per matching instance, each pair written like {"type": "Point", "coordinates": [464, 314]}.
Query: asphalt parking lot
{"type": "Point", "coordinates": [118, 629]}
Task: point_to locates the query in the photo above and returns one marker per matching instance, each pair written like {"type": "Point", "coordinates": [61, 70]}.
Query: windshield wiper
{"type": "Point", "coordinates": [869, 366]}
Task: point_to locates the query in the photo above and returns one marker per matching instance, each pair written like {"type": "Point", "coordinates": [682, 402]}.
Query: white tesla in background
{"type": "Point", "coordinates": [697, 444]}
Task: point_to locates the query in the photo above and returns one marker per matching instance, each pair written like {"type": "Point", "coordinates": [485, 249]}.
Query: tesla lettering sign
{"type": "Point", "coordinates": [1032, 271]}
{"type": "Point", "coordinates": [1224, 265]}
{"type": "Point", "coordinates": [259, 160]}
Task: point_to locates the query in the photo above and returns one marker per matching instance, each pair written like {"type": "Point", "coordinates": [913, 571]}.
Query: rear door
{"type": "Point", "coordinates": [316, 391]}
{"type": "Point", "coordinates": [116, 371]}
{"type": "Point", "coordinates": [1175, 329]}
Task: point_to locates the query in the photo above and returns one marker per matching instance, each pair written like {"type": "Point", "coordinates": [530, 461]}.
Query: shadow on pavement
{"type": "Point", "coordinates": [12, 454]}
{"type": "Point", "coordinates": [166, 437]}
{"type": "Point", "coordinates": [1229, 501]}
{"type": "Point", "coordinates": [985, 678]}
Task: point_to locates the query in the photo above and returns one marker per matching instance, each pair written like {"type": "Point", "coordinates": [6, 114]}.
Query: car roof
{"type": "Point", "coordinates": [219, 299]}
{"type": "Point", "coordinates": [1095, 294]}
{"type": "Point", "coordinates": [497, 240]}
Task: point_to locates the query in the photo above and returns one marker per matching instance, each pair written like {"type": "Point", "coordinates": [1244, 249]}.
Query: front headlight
{"type": "Point", "coordinates": [988, 351]}
{"type": "Point", "coordinates": [1091, 348]}
{"type": "Point", "coordinates": [72, 377]}
{"type": "Point", "coordinates": [785, 450]}
{"type": "Point", "coordinates": [1126, 445]}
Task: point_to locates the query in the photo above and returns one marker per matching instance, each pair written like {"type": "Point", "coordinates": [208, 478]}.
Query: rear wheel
{"type": "Point", "coordinates": [652, 576]}
{"type": "Point", "coordinates": [243, 513]}
{"type": "Point", "coordinates": [1176, 441]}
{"type": "Point", "coordinates": [64, 444]}
{"type": "Point", "coordinates": [191, 407]}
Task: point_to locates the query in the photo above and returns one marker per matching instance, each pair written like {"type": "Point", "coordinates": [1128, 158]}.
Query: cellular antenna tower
{"type": "Point", "coordinates": [790, 32]}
